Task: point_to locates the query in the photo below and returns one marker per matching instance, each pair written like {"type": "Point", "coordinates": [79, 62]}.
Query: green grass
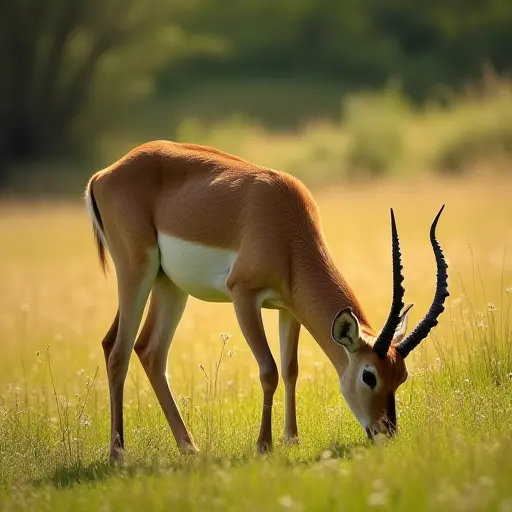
{"type": "Point", "coordinates": [454, 449]}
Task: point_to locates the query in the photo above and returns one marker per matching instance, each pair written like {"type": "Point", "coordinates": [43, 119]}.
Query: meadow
{"type": "Point", "coordinates": [454, 448]}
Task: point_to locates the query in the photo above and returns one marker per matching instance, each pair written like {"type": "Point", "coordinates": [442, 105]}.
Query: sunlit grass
{"type": "Point", "coordinates": [455, 411]}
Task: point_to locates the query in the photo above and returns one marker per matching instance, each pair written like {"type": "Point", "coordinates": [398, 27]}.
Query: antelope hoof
{"type": "Point", "coordinates": [264, 447]}
{"type": "Point", "coordinates": [292, 440]}
{"type": "Point", "coordinates": [188, 448]}
{"type": "Point", "coordinates": [116, 456]}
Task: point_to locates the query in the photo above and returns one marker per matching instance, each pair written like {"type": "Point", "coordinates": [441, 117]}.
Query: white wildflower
{"type": "Point", "coordinates": [225, 336]}
{"type": "Point", "coordinates": [287, 502]}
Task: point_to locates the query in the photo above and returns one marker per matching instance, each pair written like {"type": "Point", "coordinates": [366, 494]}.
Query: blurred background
{"type": "Point", "coordinates": [323, 89]}
{"type": "Point", "coordinates": [401, 103]}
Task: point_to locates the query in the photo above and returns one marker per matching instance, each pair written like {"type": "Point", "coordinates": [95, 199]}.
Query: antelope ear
{"type": "Point", "coordinates": [346, 330]}
{"type": "Point", "coordinates": [401, 328]}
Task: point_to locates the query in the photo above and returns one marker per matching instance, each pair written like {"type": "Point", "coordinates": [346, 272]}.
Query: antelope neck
{"type": "Point", "coordinates": [317, 293]}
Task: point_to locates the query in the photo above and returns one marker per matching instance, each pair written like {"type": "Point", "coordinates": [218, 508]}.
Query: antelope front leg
{"type": "Point", "coordinates": [248, 313]}
{"type": "Point", "coordinates": [289, 330]}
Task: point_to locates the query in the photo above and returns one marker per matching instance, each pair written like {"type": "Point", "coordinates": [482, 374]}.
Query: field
{"type": "Point", "coordinates": [454, 449]}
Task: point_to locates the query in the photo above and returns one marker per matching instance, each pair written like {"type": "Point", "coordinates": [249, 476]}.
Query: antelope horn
{"type": "Point", "coordinates": [421, 331]}
{"type": "Point", "coordinates": [383, 342]}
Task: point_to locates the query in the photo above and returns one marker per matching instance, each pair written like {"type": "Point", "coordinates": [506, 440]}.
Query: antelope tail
{"type": "Point", "coordinates": [97, 225]}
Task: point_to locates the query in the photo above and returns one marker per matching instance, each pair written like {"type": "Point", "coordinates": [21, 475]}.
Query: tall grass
{"type": "Point", "coordinates": [453, 450]}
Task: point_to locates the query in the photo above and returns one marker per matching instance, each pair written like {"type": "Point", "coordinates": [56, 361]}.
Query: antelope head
{"type": "Point", "coordinates": [376, 365]}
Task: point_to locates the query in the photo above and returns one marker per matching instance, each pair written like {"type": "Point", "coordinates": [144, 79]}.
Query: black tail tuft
{"type": "Point", "coordinates": [97, 226]}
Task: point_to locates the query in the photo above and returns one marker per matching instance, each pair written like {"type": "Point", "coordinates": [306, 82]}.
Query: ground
{"type": "Point", "coordinates": [454, 449]}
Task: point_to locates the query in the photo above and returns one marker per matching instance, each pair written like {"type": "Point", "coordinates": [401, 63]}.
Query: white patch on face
{"type": "Point", "coordinates": [357, 397]}
{"type": "Point", "coordinates": [351, 397]}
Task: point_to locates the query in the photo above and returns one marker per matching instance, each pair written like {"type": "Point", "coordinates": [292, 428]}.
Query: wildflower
{"type": "Point", "coordinates": [377, 499]}
{"type": "Point", "coordinates": [225, 336]}
{"type": "Point", "coordinates": [185, 400]}
{"type": "Point", "coordinates": [492, 308]}
{"type": "Point", "coordinates": [286, 501]}
{"type": "Point", "coordinates": [486, 481]}
{"type": "Point", "coordinates": [378, 496]}
{"type": "Point", "coordinates": [508, 290]}
{"type": "Point", "coordinates": [326, 454]}
{"type": "Point", "coordinates": [506, 505]}
{"type": "Point", "coordinates": [231, 352]}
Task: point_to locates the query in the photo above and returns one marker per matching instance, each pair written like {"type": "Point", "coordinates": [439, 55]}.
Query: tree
{"type": "Point", "coordinates": [69, 63]}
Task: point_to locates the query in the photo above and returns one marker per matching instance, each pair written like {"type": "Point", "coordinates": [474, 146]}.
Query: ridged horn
{"type": "Point", "coordinates": [431, 318]}
{"type": "Point", "coordinates": [383, 342]}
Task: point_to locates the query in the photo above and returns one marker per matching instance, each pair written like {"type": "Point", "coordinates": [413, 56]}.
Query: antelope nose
{"type": "Point", "coordinates": [385, 428]}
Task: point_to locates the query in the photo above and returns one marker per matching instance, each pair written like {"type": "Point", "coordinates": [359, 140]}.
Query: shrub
{"type": "Point", "coordinates": [481, 128]}
{"type": "Point", "coordinates": [374, 122]}
{"type": "Point", "coordinates": [475, 143]}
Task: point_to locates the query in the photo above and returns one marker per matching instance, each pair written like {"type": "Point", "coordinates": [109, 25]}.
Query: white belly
{"type": "Point", "coordinates": [198, 270]}
{"type": "Point", "coordinates": [202, 271]}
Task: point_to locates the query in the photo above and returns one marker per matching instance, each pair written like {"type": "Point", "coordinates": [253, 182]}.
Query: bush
{"type": "Point", "coordinates": [476, 143]}
{"type": "Point", "coordinates": [374, 122]}
{"type": "Point", "coordinates": [481, 130]}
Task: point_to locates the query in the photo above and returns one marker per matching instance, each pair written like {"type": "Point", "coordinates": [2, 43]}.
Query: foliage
{"type": "Point", "coordinates": [71, 65]}
{"type": "Point", "coordinates": [380, 134]}
{"type": "Point", "coordinates": [360, 43]}
{"type": "Point", "coordinates": [483, 133]}
{"type": "Point", "coordinates": [74, 69]}
{"type": "Point", "coordinates": [375, 123]}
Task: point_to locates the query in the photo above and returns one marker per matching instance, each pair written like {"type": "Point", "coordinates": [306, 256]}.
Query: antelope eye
{"type": "Point", "coordinates": [369, 379]}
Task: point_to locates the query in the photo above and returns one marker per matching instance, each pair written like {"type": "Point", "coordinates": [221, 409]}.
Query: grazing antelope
{"type": "Point", "coordinates": [183, 219]}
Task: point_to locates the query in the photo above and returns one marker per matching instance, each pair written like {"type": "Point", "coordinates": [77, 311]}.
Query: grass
{"type": "Point", "coordinates": [454, 450]}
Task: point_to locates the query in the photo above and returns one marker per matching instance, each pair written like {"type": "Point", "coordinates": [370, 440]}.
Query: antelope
{"type": "Point", "coordinates": [182, 220]}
